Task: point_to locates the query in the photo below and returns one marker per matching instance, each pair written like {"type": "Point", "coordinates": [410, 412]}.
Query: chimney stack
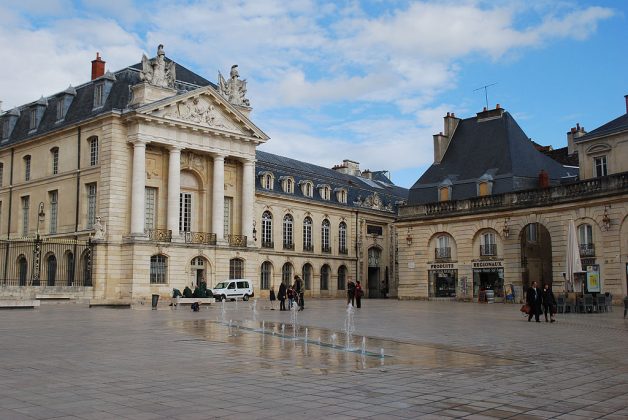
{"type": "Point", "coordinates": [572, 135]}
{"type": "Point", "coordinates": [626, 98]}
{"type": "Point", "coordinates": [98, 67]}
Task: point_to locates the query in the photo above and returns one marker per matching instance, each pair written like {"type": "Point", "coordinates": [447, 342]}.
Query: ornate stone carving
{"type": "Point", "coordinates": [100, 229]}
{"type": "Point", "coordinates": [199, 111]}
{"type": "Point", "coordinates": [234, 89]}
{"type": "Point", "coordinates": [373, 201]}
{"type": "Point", "coordinates": [156, 71]}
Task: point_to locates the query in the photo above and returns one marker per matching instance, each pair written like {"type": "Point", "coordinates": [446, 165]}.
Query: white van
{"type": "Point", "coordinates": [233, 289]}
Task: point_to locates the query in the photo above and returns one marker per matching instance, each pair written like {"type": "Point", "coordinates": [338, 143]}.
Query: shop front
{"type": "Point", "coordinates": [488, 281]}
{"type": "Point", "coordinates": [443, 279]}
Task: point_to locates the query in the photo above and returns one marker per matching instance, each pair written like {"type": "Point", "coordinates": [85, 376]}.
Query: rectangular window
{"type": "Point", "coordinates": [27, 168]}
{"type": "Point", "coordinates": [93, 151]}
{"type": "Point", "coordinates": [150, 202]}
{"type": "Point", "coordinates": [60, 109]}
{"type": "Point", "coordinates": [374, 230]}
{"type": "Point", "coordinates": [158, 269]}
{"type": "Point", "coordinates": [227, 215]}
{"type": "Point", "coordinates": [531, 232]}
{"type": "Point", "coordinates": [55, 161]}
{"type": "Point", "coordinates": [33, 120]}
{"type": "Point", "coordinates": [25, 205]}
{"type": "Point", "coordinates": [600, 166]}
{"type": "Point", "coordinates": [185, 212]}
{"type": "Point", "coordinates": [91, 205]}
{"type": "Point", "coordinates": [99, 95]}
{"type": "Point", "coordinates": [54, 198]}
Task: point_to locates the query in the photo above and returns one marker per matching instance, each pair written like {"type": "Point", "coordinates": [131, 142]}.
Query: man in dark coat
{"type": "Point", "coordinates": [281, 295]}
{"type": "Point", "coordinates": [299, 289]}
{"type": "Point", "coordinates": [351, 293]}
{"type": "Point", "coordinates": [549, 302]}
{"type": "Point", "coordinates": [534, 299]}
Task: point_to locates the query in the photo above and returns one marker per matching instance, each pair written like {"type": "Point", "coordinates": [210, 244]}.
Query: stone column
{"type": "Point", "coordinates": [248, 199]}
{"type": "Point", "coordinates": [138, 186]}
{"type": "Point", "coordinates": [218, 198]}
{"type": "Point", "coordinates": [174, 190]}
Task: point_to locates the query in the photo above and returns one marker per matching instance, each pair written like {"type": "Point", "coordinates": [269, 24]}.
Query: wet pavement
{"type": "Point", "coordinates": [244, 361]}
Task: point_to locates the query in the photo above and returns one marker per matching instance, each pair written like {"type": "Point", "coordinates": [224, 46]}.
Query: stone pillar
{"type": "Point", "coordinates": [138, 186]}
{"type": "Point", "coordinates": [174, 190]}
{"type": "Point", "coordinates": [218, 198]}
{"type": "Point", "coordinates": [248, 199]}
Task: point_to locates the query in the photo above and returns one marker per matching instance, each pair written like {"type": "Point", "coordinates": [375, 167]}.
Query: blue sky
{"type": "Point", "coordinates": [363, 80]}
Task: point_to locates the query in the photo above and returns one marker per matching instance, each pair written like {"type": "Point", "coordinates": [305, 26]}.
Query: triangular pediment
{"type": "Point", "coordinates": [205, 108]}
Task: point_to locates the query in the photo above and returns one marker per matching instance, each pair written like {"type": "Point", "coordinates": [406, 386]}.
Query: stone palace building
{"type": "Point", "coordinates": [149, 178]}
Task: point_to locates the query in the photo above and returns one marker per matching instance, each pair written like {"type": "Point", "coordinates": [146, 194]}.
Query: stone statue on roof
{"type": "Point", "coordinates": [234, 89]}
{"type": "Point", "coordinates": [156, 71]}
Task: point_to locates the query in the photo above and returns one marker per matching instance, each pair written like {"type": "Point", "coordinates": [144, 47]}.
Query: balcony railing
{"type": "Point", "coordinates": [308, 248]}
{"type": "Point", "coordinates": [160, 235]}
{"type": "Point", "coordinates": [204, 238]}
{"type": "Point", "coordinates": [343, 251]}
{"type": "Point", "coordinates": [288, 246]}
{"type": "Point", "coordinates": [442, 253]}
{"type": "Point", "coordinates": [237, 240]}
{"type": "Point", "coordinates": [326, 250]}
{"type": "Point", "coordinates": [587, 250]}
{"type": "Point", "coordinates": [488, 250]}
{"type": "Point", "coordinates": [268, 244]}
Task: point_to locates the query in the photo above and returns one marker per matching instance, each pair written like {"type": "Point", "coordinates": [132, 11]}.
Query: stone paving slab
{"type": "Point", "coordinates": [442, 360]}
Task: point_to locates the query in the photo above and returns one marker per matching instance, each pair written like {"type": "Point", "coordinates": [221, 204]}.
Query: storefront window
{"type": "Point", "coordinates": [488, 279]}
{"type": "Point", "coordinates": [442, 283]}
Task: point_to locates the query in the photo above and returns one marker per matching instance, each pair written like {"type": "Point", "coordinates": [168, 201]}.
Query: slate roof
{"type": "Point", "coordinates": [497, 147]}
{"type": "Point", "coordinates": [81, 108]}
{"type": "Point", "coordinates": [619, 124]}
{"type": "Point", "coordinates": [357, 187]}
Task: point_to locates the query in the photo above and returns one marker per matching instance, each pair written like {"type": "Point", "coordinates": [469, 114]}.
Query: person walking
{"type": "Point", "coordinates": [351, 293]}
{"type": "Point", "coordinates": [282, 297]}
{"type": "Point", "coordinates": [549, 302]}
{"type": "Point", "coordinates": [534, 299]}
{"type": "Point", "coordinates": [299, 291]}
{"type": "Point", "coordinates": [273, 298]}
{"type": "Point", "coordinates": [358, 294]}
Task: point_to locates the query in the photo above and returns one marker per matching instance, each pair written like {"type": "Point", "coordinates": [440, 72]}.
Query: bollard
{"type": "Point", "coordinates": [154, 301]}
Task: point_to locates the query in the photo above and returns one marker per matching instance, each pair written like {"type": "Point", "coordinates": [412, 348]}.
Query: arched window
{"type": "Point", "coordinates": [51, 265]}
{"type": "Point", "coordinates": [265, 275]}
{"type": "Point", "coordinates": [307, 276]}
{"type": "Point", "coordinates": [267, 230]}
{"type": "Point", "coordinates": [585, 239]}
{"type": "Point", "coordinates": [342, 277]}
{"type": "Point", "coordinates": [286, 274]}
{"type": "Point", "coordinates": [307, 234]}
{"type": "Point", "coordinates": [27, 168]}
{"type": "Point", "coordinates": [158, 269]}
{"type": "Point", "coordinates": [236, 268]}
{"type": "Point", "coordinates": [443, 250]}
{"type": "Point", "coordinates": [288, 232]}
{"type": "Point", "coordinates": [289, 185]}
{"type": "Point", "coordinates": [268, 182]}
{"type": "Point", "coordinates": [488, 246]}
{"type": "Point", "coordinates": [325, 277]}
{"type": "Point", "coordinates": [93, 151]}
{"type": "Point", "coordinates": [325, 236]}
{"type": "Point", "coordinates": [342, 238]}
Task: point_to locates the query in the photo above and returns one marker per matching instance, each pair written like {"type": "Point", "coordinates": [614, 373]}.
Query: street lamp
{"type": "Point", "coordinates": [41, 215]}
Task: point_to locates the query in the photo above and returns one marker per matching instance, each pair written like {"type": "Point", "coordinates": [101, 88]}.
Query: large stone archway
{"type": "Point", "coordinates": [536, 255]}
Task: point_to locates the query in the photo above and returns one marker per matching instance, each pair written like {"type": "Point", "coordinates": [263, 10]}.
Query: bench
{"type": "Point", "coordinates": [19, 303]}
{"type": "Point", "coordinates": [188, 301]}
{"type": "Point", "coordinates": [45, 296]}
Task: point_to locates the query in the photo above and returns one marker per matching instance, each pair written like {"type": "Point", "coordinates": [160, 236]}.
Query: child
{"type": "Point", "coordinates": [290, 297]}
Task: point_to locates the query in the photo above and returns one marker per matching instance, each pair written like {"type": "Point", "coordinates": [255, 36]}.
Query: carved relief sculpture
{"type": "Point", "coordinates": [156, 71]}
{"type": "Point", "coordinates": [234, 89]}
{"type": "Point", "coordinates": [99, 229]}
{"type": "Point", "coordinates": [200, 112]}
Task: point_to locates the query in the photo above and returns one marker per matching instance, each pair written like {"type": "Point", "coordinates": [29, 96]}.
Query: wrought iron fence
{"type": "Point", "coordinates": [488, 250]}
{"type": "Point", "coordinates": [46, 262]}
{"type": "Point", "coordinates": [443, 253]}
{"type": "Point", "coordinates": [205, 238]}
{"type": "Point", "coordinates": [289, 246]}
{"type": "Point", "coordinates": [587, 250]}
{"type": "Point", "coordinates": [237, 240]}
{"type": "Point", "coordinates": [160, 235]}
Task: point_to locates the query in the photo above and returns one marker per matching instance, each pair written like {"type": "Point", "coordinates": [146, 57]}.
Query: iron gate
{"type": "Point", "coordinates": [46, 262]}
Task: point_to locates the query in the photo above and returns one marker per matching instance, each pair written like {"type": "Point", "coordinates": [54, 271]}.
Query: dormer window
{"type": "Point", "coordinates": [60, 109]}
{"type": "Point", "coordinates": [287, 184]}
{"type": "Point", "coordinates": [99, 95]}
{"type": "Point", "coordinates": [485, 185]}
{"type": "Point", "coordinates": [444, 190]}
{"type": "Point", "coordinates": [5, 128]}
{"type": "Point", "coordinates": [341, 195]}
{"type": "Point", "coordinates": [324, 191]}
{"type": "Point", "coordinates": [307, 188]}
{"type": "Point", "coordinates": [32, 120]}
{"type": "Point", "coordinates": [267, 180]}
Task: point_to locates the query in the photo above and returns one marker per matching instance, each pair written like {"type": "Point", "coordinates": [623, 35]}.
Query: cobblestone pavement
{"type": "Point", "coordinates": [441, 360]}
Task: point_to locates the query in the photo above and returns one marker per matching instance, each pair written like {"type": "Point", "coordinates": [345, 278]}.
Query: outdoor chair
{"type": "Point", "coordinates": [587, 303]}
{"type": "Point", "coordinates": [560, 304]}
{"type": "Point", "coordinates": [601, 304]}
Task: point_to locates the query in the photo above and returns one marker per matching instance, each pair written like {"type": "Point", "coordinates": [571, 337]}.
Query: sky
{"type": "Point", "coordinates": [368, 81]}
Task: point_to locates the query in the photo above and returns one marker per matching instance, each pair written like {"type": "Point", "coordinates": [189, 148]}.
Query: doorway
{"type": "Point", "coordinates": [199, 271]}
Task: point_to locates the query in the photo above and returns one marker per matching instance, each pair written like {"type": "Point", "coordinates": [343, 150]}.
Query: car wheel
{"type": "Point", "coordinates": [223, 298]}
{"type": "Point", "coordinates": [245, 298]}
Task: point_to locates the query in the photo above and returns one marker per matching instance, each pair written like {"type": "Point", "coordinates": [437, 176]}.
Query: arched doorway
{"type": "Point", "coordinates": [198, 268]}
{"type": "Point", "coordinates": [536, 255]}
{"type": "Point", "coordinates": [307, 276]}
{"type": "Point", "coordinates": [51, 265]}
{"type": "Point", "coordinates": [374, 272]}
{"type": "Point", "coordinates": [22, 265]}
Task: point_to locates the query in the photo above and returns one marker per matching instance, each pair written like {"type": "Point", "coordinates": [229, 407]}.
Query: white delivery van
{"type": "Point", "coordinates": [233, 289]}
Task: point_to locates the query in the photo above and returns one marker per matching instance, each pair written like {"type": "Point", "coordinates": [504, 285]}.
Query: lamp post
{"type": "Point", "coordinates": [41, 216]}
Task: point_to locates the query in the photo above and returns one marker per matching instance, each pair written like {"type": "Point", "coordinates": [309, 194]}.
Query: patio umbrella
{"type": "Point", "coordinates": [573, 264]}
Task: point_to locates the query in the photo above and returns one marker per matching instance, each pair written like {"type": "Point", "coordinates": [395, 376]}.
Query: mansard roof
{"type": "Point", "coordinates": [358, 188]}
{"type": "Point", "coordinates": [615, 126]}
{"type": "Point", "coordinates": [497, 146]}
{"type": "Point", "coordinates": [81, 108]}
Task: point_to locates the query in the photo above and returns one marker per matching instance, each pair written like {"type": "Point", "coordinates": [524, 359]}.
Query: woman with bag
{"type": "Point", "coordinates": [549, 302]}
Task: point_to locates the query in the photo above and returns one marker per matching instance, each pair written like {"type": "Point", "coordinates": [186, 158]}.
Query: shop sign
{"type": "Point", "coordinates": [442, 266]}
{"type": "Point", "coordinates": [593, 279]}
{"type": "Point", "coordinates": [487, 264]}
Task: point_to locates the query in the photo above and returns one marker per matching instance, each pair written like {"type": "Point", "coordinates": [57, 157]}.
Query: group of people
{"type": "Point", "coordinates": [539, 301]}
{"type": "Point", "coordinates": [293, 293]}
{"type": "Point", "coordinates": [354, 293]}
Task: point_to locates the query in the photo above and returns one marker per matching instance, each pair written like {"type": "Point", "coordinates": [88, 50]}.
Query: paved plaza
{"type": "Point", "coordinates": [244, 361]}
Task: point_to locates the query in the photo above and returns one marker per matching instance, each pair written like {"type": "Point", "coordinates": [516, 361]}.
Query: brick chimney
{"type": "Point", "coordinates": [442, 139]}
{"type": "Point", "coordinates": [626, 98]}
{"type": "Point", "coordinates": [543, 179]}
{"type": "Point", "coordinates": [572, 135]}
{"type": "Point", "coordinates": [98, 67]}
